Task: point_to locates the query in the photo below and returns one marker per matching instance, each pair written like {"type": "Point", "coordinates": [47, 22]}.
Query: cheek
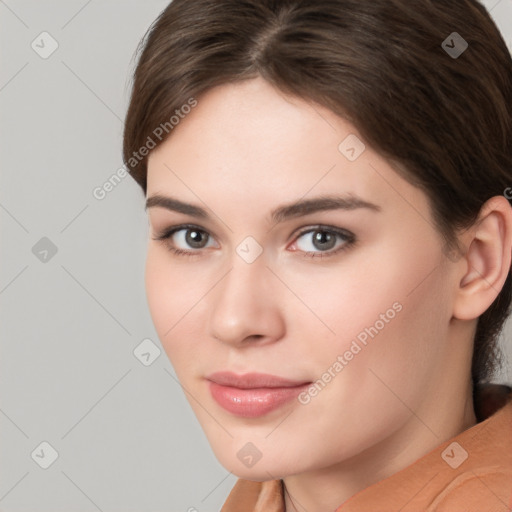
{"type": "Point", "coordinates": [174, 298]}
{"type": "Point", "coordinates": [383, 307]}
{"type": "Point", "coordinates": [352, 293]}
{"type": "Point", "coordinates": [391, 320]}
{"type": "Point", "coordinates": [161, 301]}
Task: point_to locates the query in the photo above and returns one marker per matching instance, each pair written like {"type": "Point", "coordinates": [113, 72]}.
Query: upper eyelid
{"type": "Point", "coordinates": [179, 227]}
{"type": "Point", "coordinates": [311, 227]}
{"type": "Point", "coordinates": [324, 227]}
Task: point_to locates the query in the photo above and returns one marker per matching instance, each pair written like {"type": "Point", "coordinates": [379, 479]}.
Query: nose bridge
{"type": "Point", "coordinates": [243, 286]}
{"type": "Point", "coordinates": [243, 303]}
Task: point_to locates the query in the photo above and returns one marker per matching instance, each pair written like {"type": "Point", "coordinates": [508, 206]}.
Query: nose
{"type": "Point", "coordinates": [245, 305]}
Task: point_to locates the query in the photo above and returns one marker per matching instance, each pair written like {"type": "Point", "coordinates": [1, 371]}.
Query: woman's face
{"type": "Point", "coordinates": [355, 300]}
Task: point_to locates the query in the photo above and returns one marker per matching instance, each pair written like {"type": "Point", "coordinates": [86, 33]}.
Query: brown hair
{"type": "Point", "coordinates": [445, 121]}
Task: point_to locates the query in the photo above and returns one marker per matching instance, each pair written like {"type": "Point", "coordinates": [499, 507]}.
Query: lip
{"type": "Point", "coordinates": [253, 380]}
{"type": "Point", "coordinates": [253, 394]}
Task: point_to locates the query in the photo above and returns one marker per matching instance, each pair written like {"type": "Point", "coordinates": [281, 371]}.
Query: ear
{"type": "Point", "coordinates": [485, 265]}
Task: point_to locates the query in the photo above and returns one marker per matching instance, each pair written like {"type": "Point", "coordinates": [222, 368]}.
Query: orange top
{"type": "Point", "coordinates": [472, 472]}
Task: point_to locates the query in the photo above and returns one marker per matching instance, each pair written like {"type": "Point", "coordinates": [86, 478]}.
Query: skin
{"type": "Point", "coordinates": [243, 151]}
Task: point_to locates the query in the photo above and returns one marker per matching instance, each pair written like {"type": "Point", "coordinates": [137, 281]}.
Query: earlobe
{"type": "Point", "coordinates": [486, 263]}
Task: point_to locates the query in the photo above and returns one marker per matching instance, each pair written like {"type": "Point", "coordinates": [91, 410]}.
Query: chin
{"type": "Point", "coordinates": [260, 475]}
{"type": "Point", "coordinates": [261, 471]}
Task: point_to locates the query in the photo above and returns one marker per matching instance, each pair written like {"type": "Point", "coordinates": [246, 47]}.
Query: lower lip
{"type": "Point", "coordinates": [251, 403]}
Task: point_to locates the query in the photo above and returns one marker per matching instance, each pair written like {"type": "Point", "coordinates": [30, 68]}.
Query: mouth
{"type": "Point", "coordinates": [253, 380]}
{"type": "Point", "coordinates": [253, 394]}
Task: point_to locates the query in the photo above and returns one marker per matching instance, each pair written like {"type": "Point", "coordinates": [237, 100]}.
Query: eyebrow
{"type": "Point", "coordinates": [280, 214]}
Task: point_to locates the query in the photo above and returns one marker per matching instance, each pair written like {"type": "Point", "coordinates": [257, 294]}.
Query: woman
{"type": "Point", "coordinates": [329, 261]}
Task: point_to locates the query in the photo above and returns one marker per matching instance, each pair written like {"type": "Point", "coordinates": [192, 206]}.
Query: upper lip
{"type": "Point", "coordinates": [253, 380]}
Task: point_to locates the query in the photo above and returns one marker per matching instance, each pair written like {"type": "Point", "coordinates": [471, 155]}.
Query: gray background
{"type": "Point", "coordinates": [125, 435]}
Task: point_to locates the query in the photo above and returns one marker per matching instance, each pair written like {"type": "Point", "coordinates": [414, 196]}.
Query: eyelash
{"type": "Point", "coordinates": [348, 237]}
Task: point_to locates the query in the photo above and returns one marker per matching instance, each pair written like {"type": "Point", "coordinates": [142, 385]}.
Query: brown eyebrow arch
{"type": "Point", "coordinates": [280, 214]}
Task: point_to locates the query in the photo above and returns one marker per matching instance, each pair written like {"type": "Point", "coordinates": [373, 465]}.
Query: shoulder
{"type": "Point", "coordinates": [486, 489]}
{"type": "Point", "coordinates": [484, 480]}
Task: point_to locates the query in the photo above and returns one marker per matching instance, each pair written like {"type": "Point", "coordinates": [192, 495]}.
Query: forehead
{"type": "Point", "coordinates": [251, 143]}
{"type": "Point", "coordinates": [251, 123]}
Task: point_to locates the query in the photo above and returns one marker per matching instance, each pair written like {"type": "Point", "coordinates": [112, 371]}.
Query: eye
{"type": "Point", "coordinates": [324, 241]}
{"type": "Point", "coordinates": [180, 239]}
